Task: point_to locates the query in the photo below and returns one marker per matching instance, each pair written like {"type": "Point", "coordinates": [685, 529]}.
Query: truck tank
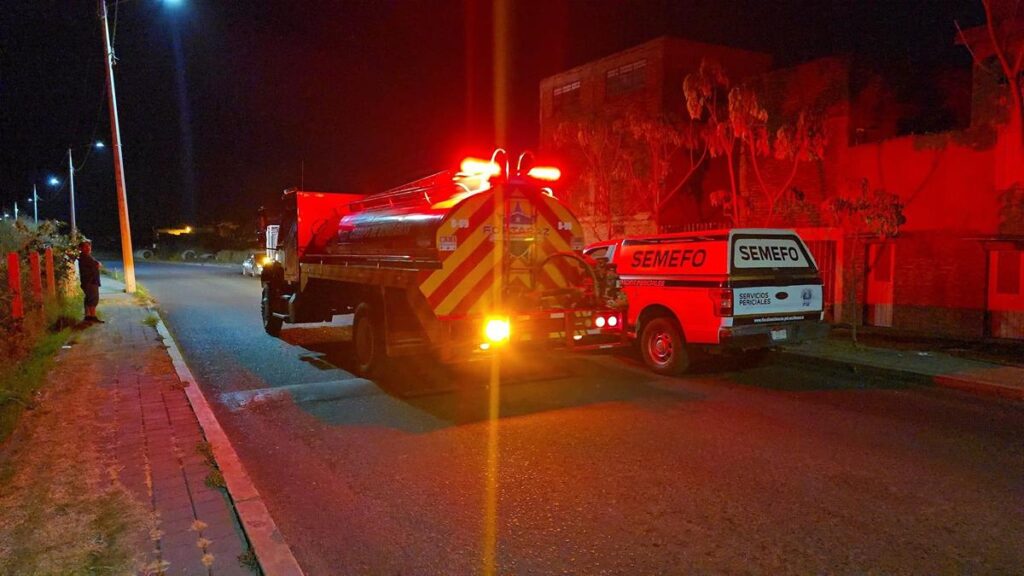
{"type": "Point", "coordinates": [464, 242]}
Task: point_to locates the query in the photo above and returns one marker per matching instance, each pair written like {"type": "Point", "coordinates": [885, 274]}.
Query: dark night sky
{"type": "Point", "coordinates": [364, 94]}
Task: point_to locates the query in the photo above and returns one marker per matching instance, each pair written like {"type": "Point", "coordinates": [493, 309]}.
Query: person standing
{"type": "Point", "coordinates": [89, 273]}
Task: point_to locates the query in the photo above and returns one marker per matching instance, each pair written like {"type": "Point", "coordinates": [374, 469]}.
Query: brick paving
{"type": "Point", "coordinates": [155, 442]}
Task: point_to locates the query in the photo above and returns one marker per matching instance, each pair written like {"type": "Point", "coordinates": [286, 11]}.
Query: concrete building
{"type": "Point", "coordinates": [956, 267]}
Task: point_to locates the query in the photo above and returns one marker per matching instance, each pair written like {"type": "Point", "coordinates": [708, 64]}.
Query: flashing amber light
{"type": "Point", "coordinates": [497, 330]}
{"type": "Point", "coordinates": [479, 166]}
{"type": "Point", "coordinates": [548, 173]}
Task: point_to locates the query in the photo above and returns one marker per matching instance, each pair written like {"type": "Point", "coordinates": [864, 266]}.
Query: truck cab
{"type": "Point", "coordinates": [732, 289]}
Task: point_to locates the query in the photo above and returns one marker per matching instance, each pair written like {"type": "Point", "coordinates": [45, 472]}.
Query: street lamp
{"type": "Point", "coordinates": [54, 181]}
{"type": "Point", "coordinates": [71, 181]}
{"type": "Point", "coordinates": [115, 137]}
{"type": "Point", "coordinates": [34, 201]}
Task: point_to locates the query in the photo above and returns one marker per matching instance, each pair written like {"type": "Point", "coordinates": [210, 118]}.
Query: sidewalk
{"type": "Point", "coordinates": [926, 366]}
{"type": "Point", "coordinates": [115, 443]}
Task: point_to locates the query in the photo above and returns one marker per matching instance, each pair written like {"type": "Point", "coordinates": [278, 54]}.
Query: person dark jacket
{"type": "Point", "coordinates": [88, 270]}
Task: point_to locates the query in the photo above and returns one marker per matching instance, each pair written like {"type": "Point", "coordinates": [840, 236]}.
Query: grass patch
{"type": "Point", "coordinates": [115, 274]}
{"type": "Point", "coordinates": [60, 511]}
{"type": "Point", "coordinates": [151, 320]}
{"type": "Point", "coordinates": [215, 479]}
{"type": "Point", "coordinates": [20, 381]}
{"type": "Point", "coordinates": [142, 296]}
{"type": "Point", "coordinates": [248, 560]}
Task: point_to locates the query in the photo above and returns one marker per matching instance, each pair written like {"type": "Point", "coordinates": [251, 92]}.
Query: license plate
{"type": "Point", "coordinates": [779, 334]}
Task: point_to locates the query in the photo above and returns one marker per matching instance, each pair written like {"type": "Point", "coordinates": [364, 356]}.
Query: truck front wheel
{"type": "Point", "coordinates": [271, 323]}
{"type": "Point", "coordinates": [663, 348]}
{"type": "Point", "coordinates": [368, 340]}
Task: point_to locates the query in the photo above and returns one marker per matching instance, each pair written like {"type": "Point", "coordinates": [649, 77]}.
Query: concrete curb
{"type": "Point", "coordinates": [272, 552]}
{"type": "Point", "coordinates": [941, 380]}
{"type": "Point", "coordinates": [978, 387]}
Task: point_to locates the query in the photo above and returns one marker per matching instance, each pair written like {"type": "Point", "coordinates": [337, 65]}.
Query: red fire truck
{"type": "Point", "coordinates": [456, 265]}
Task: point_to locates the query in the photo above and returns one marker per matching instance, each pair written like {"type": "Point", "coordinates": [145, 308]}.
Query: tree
{"type": "Point", "coordinates": [867, 213]}
{"type": "Point", "coordinates": [627, 165]}
{"type": "Point", "coordinates": [735, 120]}
{"type": "Point", "coordinates": [659, 142]}
{"type": "Point", "coordinates": [793, 144]}
{"type": "Point", "coordinates": [605, 158]}
{"type": "Point", "coordinates": [706, 94]}
{"type": "Point", "coordinates": [1006, 40]}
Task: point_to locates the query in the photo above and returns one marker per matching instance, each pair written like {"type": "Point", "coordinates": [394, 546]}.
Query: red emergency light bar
{"type": "Point", "coordinates": [478, 166]}
{"type": "Point", "coordinates": [548, 173]}
{"type": "Point", "coordinates": [492, 168]}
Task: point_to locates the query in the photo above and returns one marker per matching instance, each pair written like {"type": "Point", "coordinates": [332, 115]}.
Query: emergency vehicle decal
{"type": "Point", "coordinates": [781, 252]}
{"type": "Point", "coordinates": [538, 226]}
{"type": "Point", "coordinates": [561, 227]}
{"type": "Point", "coordinates": [765, 300]}
{"type": "Point", "coordinates": [466, 272]}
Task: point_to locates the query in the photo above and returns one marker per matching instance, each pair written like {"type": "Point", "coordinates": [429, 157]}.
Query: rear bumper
{"type": "Point", "coordinates": [570, 330]}
{"type": "Point", "coordinates": [761, 335]}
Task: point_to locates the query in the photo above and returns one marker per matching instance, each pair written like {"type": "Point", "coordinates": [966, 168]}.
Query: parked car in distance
{"type": "Point", "coordinates": [253, 265]}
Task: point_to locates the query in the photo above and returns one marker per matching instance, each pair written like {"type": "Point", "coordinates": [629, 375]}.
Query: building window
{"type": "Point", "coordinates": [626, 79]}
{"type": "Point", "coordinates": [1008, 272]}
{"type": "Point", "coordinates": [566, 96]}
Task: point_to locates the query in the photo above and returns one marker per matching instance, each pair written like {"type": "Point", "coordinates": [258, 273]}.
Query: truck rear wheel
{"type": "Point", "coordinates": [368, 341]}
{"type": "Point", "coordinates": [271, 323]}
{"type": "Point", "coordinates": [663, 348]}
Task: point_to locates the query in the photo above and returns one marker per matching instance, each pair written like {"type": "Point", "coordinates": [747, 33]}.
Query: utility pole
{"type": "Point", "coordinates": [35, 205]}
{"type": "Point", "coordinates": [71, 181]}
{"type": "Point", "coordinates": [115, 129]}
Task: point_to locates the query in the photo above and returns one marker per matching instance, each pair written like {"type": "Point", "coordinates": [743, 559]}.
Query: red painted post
{"type": "Point", "coordinates": [37, 279]}
{"type": "Point", "coordinates": [14, 284]}
{"type": "Point", "coordinates": [51, 282]}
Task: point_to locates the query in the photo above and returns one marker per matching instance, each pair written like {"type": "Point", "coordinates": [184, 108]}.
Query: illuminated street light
{"type": "Point", "coordinates": [54, 181]}
{"type": "Point", "coordinates": [34, 201]}
{"type": "Point", "coordinates": [99, 144]}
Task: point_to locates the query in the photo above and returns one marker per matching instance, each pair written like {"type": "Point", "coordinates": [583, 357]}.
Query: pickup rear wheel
{"type": "Point", "coordinates": [663, 348]}
{"type": "Point", "coordinates": [271, 323]}
{"type": "Point", "coordinates": [368, 340]}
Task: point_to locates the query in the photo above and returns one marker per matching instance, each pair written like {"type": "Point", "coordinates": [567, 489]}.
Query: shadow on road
{"type": "Point", "coordinates": [448, 395]}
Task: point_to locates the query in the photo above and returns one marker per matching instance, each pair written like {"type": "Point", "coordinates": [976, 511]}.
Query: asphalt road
{"type": "Point", "coordinates": [599, 466]}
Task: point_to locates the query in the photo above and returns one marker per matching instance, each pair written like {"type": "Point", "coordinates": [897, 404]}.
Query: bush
{"type": "Point", "coordinates": [22, 237]}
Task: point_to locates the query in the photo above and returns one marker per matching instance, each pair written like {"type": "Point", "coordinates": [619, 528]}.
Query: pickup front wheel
{"type": "Point", "coordinates": [663, 348]}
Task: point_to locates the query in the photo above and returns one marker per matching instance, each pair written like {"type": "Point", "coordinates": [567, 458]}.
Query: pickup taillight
{"type": "Point", "coordinates": [722, 301]}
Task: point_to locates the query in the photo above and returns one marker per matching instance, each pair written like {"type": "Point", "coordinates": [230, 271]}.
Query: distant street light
{"type": "Point", "coordinates": [34, 201]}
{"type": "Point", "coordinates": [71, 181]}
{"type": "Point", "coordinates": [54, 181]}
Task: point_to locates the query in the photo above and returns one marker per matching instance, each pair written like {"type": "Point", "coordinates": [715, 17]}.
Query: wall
{"type": "Point", "coordinates": [939, 285]}
{"type": "Point", "coordinates": [945, 185]}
